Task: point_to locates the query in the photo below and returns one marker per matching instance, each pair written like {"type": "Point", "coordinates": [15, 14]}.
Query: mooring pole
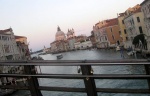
{"type": "Point", "coordinates": [32, 81]}
{"type": "Point", "coordinates": [88, 81]}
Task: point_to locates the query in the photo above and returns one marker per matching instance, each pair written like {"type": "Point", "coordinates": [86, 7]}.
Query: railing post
{"type": "Point", "coordinates": [32, 81]}
{"type": "Point", "coordinates": [89, 82]}
{"type": "Point", "coordinates": [147, 69]}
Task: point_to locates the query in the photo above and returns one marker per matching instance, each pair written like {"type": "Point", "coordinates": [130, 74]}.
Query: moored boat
{"type": "Point", "coordinates": [59, 56]}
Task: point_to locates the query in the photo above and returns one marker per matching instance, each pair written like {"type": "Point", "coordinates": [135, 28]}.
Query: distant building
{"type": "Point", "coordinates": [83, 42]}
{"type": "Point", "coordinates": [60, 35]}
{"type": "Point", "coordinates": [60, 44]}
{"type": "Point", "coordinates": [70, 33]}
{"type": "Point", "coordinates": [71, 39]}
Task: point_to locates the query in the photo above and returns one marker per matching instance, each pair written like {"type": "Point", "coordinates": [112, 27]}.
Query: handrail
{"type": "Point", "coordinates": [86, 75]}
{"type": "Point", "coordinates": [76, 62]}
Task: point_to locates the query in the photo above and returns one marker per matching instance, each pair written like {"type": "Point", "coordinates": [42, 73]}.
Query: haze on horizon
{"type": "Point", "coordinates": [38, 19]}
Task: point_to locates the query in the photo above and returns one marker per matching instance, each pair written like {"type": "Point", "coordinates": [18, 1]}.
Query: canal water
{"type": "Point", "coordinates": [100, 83]}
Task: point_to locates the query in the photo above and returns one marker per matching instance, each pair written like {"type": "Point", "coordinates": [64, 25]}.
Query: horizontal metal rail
{"type": "Point", "coordinates": [69, 89]}
{"type": "Point", "coordinates": [76, 62]}
{"type": "Point", "coordinates": [78, 76]}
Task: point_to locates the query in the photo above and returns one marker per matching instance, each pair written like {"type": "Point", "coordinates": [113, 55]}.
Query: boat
{"type": "Point", "coordinates": [130, 53]}
{"type": "Point", "coordinates": [59, 56]}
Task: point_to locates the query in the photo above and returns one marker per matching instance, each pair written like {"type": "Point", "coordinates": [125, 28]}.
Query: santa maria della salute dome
{"type": "Point", "coordinates": [60, 35]}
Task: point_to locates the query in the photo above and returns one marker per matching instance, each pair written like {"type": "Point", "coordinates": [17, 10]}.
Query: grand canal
{"type": "Point", "coordinates": [102, 83]}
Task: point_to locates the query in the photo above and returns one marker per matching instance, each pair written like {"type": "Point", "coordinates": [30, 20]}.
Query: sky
{"type": "Point", "coordinates": [38, 19]}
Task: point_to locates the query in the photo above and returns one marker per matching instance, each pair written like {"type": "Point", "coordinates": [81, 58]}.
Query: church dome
{"type": "Point", "coordinates": [60, 35]}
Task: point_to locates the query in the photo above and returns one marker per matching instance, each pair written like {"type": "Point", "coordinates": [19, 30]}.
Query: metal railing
{"type": "Point", "coordinates": [87, 76]}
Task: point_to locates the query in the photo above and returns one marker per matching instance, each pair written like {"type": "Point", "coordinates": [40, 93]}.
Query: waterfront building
{"type": "Point", "coordinates": [21, 39]}
{"type": "Point", "coordinates": [83, 45]}
{"type": "Point", "coordinates": [83, 42]}
{"type": "Point", "coordinates": [97, 29]}
{"type": "Point", "coordinates": [112, 31]}
{"type": "Point", "coordinates": [122, 31]}
{"type": "Point", "coordinates": [60, 44]}
{"type": "Point", "coordinates": [22, 47]}
{"type": "Point", "coordinates": [107, 33]}
{"type": "Point", "coordinates": [71, 43]}
{"type": "Point", "coordinates": [12, 48]}
{"type": "Point", "coordinates": [53, 47]}
{"type": "Point", "coordinates": [145, 8]}
{"type": "Point", "coordinates": [134, 22]}
{"type": "Point", "coordinates": [8, 46]}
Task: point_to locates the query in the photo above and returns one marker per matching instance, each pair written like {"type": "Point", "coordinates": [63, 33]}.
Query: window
{"type": "Point", "coordinates": [140, 29]}
{"type": "Point", "coordinates": [113, 37]}
{"type": "Point", "coordinates": [120, 32]}
{"type": "Point", "coordinates": [125, 32]}
{"type": "Point", "coordinates": [111, 29]}
{"type": "Point", "coordinates": [138, 19]}
{"type": "Point", "coordinates": [105, 38]}
{"type": "Point", "coordinates": [122, 21]}
{"type": "Point", "coordinates": [6, 48]}
{"type": "Point", "coordinates": [126, 38]}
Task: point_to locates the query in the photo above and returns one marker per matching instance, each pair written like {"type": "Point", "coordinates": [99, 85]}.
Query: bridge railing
{"type": "Point", "coordinates": [87, 76]}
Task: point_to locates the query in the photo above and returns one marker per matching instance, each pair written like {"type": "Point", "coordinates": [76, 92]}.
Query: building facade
{"type": "Point", "coordinates": [60, 44]}
{"type": "Point", "coordinates": [122, 31]}
{"type": "Point", "coordinates": [134, 22]}
{"type": "Point", "coordinates": [107, 34]}
{"type": "Point", "coordinates": [145, 8]}
{"type": "Point", "coordinates": [8, 46]}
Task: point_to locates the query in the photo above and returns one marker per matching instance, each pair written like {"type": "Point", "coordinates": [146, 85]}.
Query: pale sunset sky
{"type": "Point", "coordinates": [38, 19]}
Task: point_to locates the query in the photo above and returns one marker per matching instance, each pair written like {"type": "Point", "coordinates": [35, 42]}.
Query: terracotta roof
{"type": "Point", "coordinates": [18, 37]}
{"type": "Point", "coordinates": [111, 22]}
{"type": "Point", "coordinates": [137, 10]}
